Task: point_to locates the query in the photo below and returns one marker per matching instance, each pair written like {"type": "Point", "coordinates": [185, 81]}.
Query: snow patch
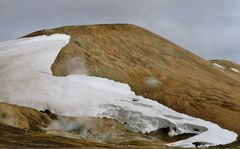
{"type": "Point", "coordinates": [26, 80]}
{"type": "Point", "coordinates": [235, 70]}
{"type": "Point", "coordinates": [153, 81]}
{"type": "Point", "coordinates": [218, 65]}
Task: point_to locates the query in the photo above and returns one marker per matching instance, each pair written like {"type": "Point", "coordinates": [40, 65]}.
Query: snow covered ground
{"type": "Point", "coordinates": [26, 79]}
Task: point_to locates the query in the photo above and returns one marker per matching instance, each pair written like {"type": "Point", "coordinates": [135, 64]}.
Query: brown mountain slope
{"type": "Point", "coordinates": [230, 68]}
{"type": "Point", "coordinates": [227, 64]}
{"type": "Point", "coordinates": [153, 67]}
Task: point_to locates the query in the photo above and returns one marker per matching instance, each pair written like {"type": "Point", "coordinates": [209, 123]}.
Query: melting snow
{"type": "Point", "coordinates": [218, 65]}
{"type": "Point", "coordinates": [26, 79]}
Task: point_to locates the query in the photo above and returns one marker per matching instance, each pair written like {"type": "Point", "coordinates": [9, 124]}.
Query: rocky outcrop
{"type": "Point", "coordinates": [23, 117]}
{"type": "Point", "coordinates": [154, 68]}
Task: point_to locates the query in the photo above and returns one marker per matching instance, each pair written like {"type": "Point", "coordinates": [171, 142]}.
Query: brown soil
{"type": "Point", "coordinates": [136, 56]}
{"type": "Point", "coordinates": [12, 137]}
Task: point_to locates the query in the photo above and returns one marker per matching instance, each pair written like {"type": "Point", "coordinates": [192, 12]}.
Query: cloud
{"type": "Point", "coordinates": [207, 28]}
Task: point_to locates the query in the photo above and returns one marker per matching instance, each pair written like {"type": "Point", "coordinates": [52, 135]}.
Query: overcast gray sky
{"type": "Point", "coordinates": [209, 28]}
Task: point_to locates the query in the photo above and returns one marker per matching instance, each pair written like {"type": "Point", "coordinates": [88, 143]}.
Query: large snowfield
{"type": "Point", "coordinates": [26, 79]}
